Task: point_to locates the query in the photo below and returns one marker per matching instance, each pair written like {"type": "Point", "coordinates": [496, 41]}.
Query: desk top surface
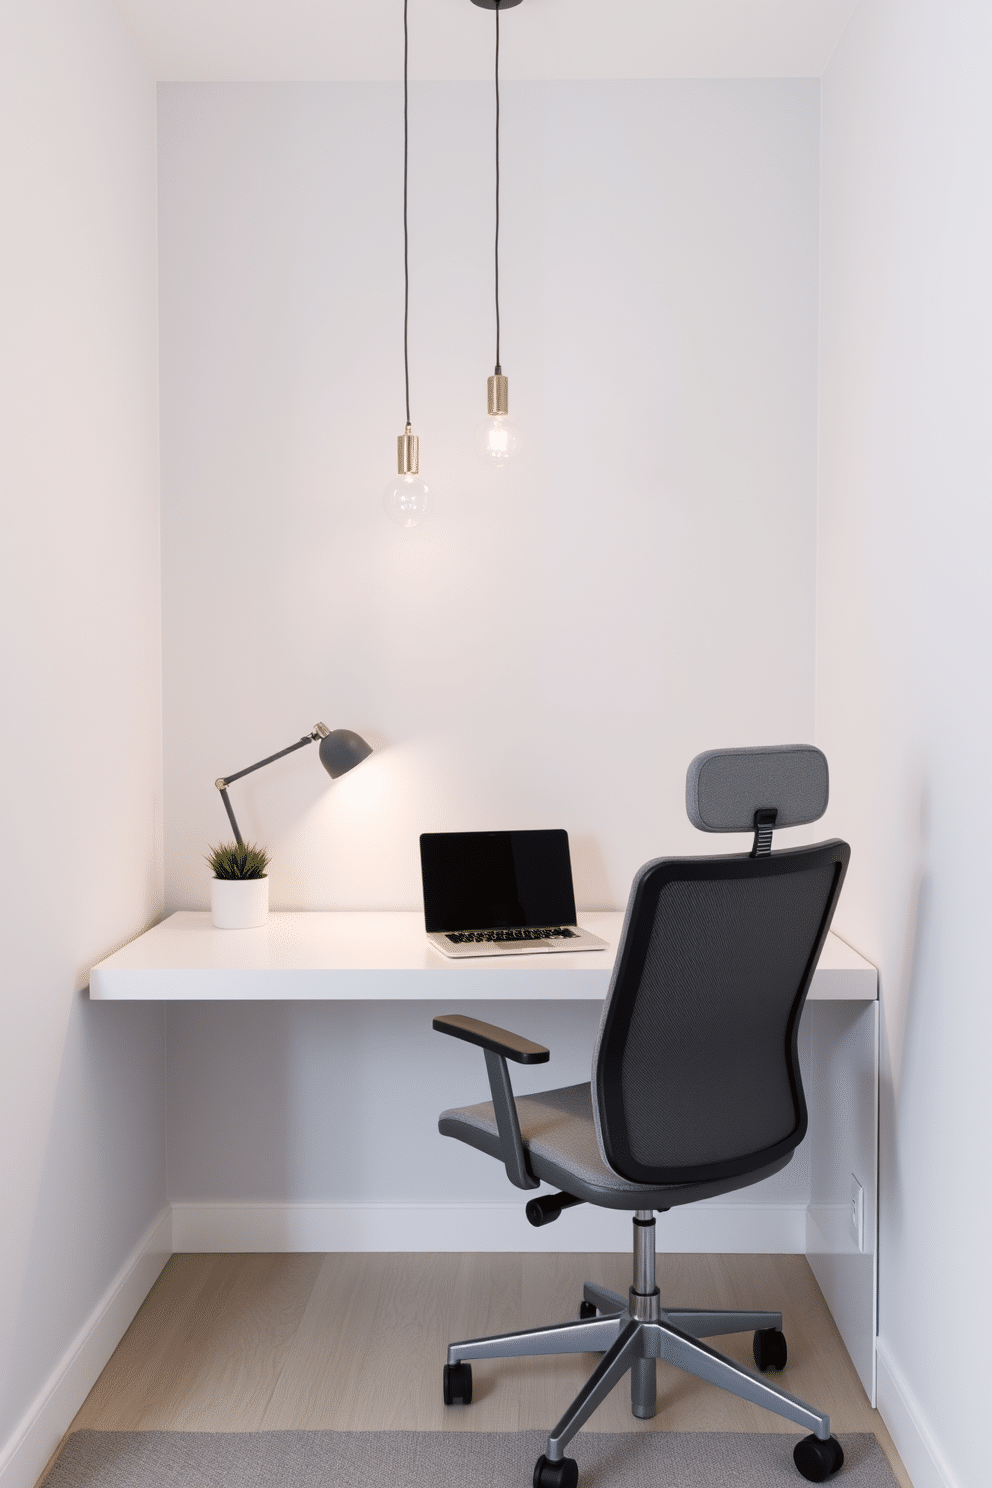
{"type": "Point", "coordinates": [380, 956]}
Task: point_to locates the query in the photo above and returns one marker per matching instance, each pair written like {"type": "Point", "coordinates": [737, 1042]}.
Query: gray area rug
{"type": "Point", "coordinates": [443, 1459]}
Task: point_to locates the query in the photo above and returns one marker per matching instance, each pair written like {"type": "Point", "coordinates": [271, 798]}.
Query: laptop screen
{"type": "Point", "coordinates": [496, 880]}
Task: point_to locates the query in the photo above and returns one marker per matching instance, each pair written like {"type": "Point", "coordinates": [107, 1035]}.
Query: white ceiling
{"type": "Point", "coordinates": [360, 40]}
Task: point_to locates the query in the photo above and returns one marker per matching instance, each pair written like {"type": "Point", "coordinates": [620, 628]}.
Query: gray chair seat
{"type": "Point", "coordinates": [559, 1138]}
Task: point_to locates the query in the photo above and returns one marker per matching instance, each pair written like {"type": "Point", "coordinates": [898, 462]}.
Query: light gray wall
{"type": "Point", "coordinates": [903, 702]}
{"type": "Point", "coordinates": [318, 1102]}
{"type": "Point", "coordinates": [560, 639]}
{"type": "Point", "coordinates": [82, 1101]}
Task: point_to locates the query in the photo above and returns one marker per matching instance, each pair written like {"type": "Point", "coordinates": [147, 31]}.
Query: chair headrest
{"type": "Point", "coordinates": [725, 787]}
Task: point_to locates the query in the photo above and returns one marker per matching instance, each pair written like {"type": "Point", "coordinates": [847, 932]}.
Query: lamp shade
{"type": "Point", "coordinates": [341, 750]}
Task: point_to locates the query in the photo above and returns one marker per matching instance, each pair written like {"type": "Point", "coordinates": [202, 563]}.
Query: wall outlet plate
{"type": "Point", "coordinates": [857, 1216]}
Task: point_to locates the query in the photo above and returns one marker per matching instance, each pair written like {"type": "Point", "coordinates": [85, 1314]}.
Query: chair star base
{"type": "Point", "coordinates": [631, 1333]}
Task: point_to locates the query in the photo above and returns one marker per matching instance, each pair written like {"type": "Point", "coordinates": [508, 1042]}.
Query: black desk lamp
{"type": "Point", "coordinates": [340, 752]}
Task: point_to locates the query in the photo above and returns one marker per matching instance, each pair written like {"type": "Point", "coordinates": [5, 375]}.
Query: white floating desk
{"type": "Point", "coordinates": [366, 956]}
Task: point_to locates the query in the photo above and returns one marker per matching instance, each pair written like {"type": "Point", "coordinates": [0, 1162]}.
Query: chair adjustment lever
{"type": "Point", "coordinates": [543, 1210]}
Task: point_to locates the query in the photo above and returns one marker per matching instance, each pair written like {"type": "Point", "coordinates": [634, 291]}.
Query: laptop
{"type": "Point", "coordinates": [500, 894]}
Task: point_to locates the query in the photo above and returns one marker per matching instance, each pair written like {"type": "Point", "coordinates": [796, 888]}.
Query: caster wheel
{"type": "Point", "coordinates": [587, 1310]}
{"type": "Point", "coordinates": [818, 1460]}
{"type": "Point", "coordinates": [770, 1351]}
{"type": "Point", "coordinates": [458, 1384]}
{"type": "Point", "coordinates": [563, 1474]}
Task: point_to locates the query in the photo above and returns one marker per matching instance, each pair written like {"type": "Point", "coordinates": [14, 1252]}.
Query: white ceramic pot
{"type": "Point", "coordinates": [239, 903]}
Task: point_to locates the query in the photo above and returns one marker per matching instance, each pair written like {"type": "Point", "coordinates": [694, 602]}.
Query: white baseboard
{"type": "Point", "coordinates": [24, 1455]}
{"type": "Point", "coordinates": [907, 1425]}
{"type": "Point", "coordinates": [742, 1228]}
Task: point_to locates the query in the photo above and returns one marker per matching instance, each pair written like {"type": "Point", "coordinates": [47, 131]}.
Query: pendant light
{"type": "Point", "coordinates": [407, 499]}
{"type": "Point", "coordinates": [497, 440]}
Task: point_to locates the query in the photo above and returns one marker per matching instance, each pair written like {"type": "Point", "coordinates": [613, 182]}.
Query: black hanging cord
{"type": "Point", "coordinates": [498, 370]}
{"type": "Point", "coordinates": [406, 235]}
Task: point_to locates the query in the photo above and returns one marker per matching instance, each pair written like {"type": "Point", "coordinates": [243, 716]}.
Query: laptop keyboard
{"type": "Point", "coordinates": [463, 937]}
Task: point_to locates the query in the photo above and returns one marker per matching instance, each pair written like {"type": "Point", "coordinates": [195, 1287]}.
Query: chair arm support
{"type": "Point", "coordinates": [498, 1044]}
{"type": "Point", "coordinates": [508, 1123]}
{"type": "Point", "coordinates": [488, 1036]}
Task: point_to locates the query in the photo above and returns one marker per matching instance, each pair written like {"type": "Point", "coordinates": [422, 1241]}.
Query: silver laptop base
{"type": "Point", "coordinates": [578, 940]}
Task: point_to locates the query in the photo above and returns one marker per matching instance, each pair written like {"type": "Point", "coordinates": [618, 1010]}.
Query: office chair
{"type": "Point", "coordinates": [695, 1091]}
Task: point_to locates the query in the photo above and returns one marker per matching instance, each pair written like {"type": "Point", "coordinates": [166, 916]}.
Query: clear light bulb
{"type": "Point", "coordinates": [497, 441]}
{"type": "Point", "coordinates": [407, 500]}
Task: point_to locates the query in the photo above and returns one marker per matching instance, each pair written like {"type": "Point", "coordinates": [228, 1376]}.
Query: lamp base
{"type": "Point", "coordinates": [496, 4]}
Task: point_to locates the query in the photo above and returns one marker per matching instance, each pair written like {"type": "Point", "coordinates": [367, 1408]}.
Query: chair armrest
{"type": "Point", "coordinates": [499, 1045]}
{"type": "Point", "coordinates": [488, 1036]}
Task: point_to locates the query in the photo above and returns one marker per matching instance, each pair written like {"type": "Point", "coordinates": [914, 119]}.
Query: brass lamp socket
{"type": "Point", "coordinates": [408, 453]}
{"type": "Point", "coordinates": [498, 390]}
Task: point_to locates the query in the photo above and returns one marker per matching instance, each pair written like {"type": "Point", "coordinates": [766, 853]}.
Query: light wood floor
{"type": "Point", "coordinates": [357, 1341]}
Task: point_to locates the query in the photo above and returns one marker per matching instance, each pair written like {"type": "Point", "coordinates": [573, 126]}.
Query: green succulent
{"type": "Point", "coordinates": [238, 860]}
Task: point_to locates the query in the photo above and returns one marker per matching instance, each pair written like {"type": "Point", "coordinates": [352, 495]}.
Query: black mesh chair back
{"type": "Point", "coordinates": [697, 1066]}
{"type": "Point", "coordinates": [696, 1071]}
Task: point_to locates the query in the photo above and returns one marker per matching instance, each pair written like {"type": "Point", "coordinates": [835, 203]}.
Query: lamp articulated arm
{"type": "Point", "coordinates": [320, 731]}
{"type": "Point", "coordinates": [340, 752]}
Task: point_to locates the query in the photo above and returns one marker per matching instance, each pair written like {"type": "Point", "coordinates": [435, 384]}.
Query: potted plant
{"type": "Point", "coordinates": [239, 889]}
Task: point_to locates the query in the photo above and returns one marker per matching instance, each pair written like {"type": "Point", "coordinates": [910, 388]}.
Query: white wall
{"type": "Point", "coordinates": [336, 1105]}
{"type": "Point", "coordinates": [82, 1161]}
{"type": "Point", "coordinates": [559, 640]}
{"type": "Point", "coordinates": [903, 701]}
